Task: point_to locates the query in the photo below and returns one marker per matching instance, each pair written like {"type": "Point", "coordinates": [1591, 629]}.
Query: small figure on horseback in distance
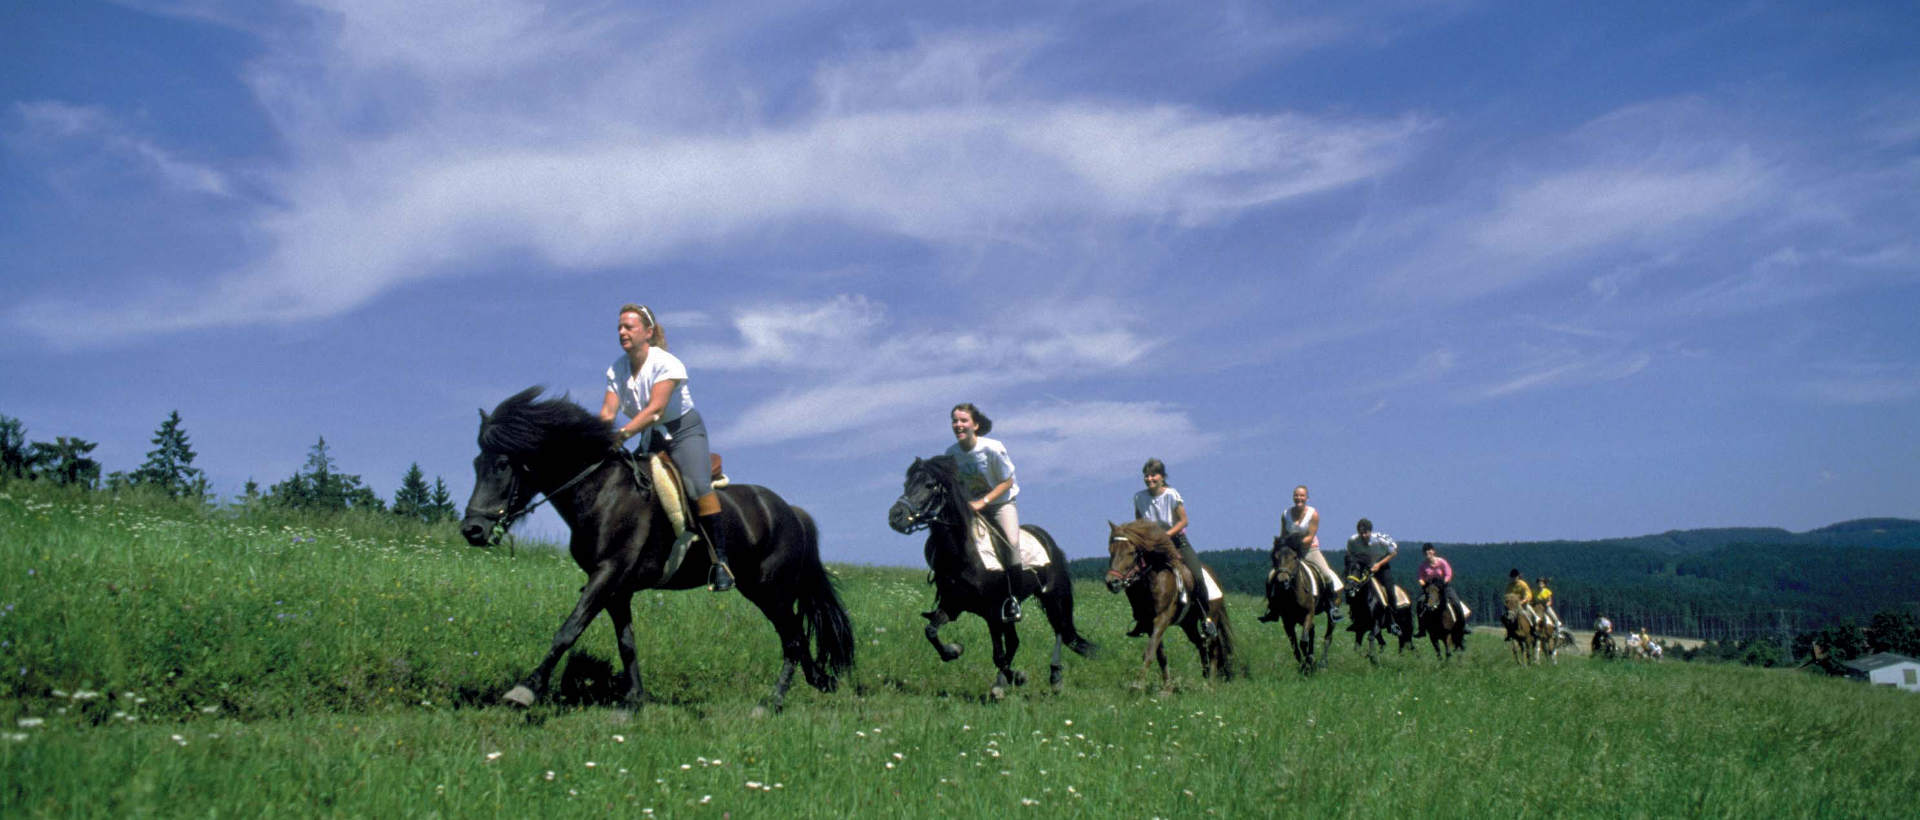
{"type": "Point", "coordinates": [1434, 570]}
{"type": "Point", "coordinates": [649, 386]}
{"type": "Point", "coordinates": [987, 475]}
{"type": "Point", "coordinates": [1369, 555]}
{"type": "Point", "coordinates": [1305, 520]}
{"type": "Point", "coordinates": [1543, 603]}
{"type": "Point", "coordinates": [1163, 505]}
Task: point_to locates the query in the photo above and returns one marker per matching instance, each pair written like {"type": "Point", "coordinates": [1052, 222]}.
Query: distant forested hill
{"type": "Point", "coordinates": [1710, 583]}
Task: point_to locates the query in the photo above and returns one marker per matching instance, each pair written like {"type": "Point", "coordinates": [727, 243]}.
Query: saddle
{"type": "Point", "coordinates": [672, 491]}
{"type": "Point", "coordinates": [1028, 553]}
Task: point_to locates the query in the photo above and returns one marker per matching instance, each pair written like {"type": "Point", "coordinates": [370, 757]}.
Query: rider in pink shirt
{"type": "Point", "coordinates": [1436, 570]}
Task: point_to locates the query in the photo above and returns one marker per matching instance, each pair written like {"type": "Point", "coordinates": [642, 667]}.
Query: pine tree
{"type": "Point", "coordinates": [169, 467]}
{"type": "Point", "coordinates": [441, 507]}
{"type": "Point", "coordinates": [16, 455]}
{"type": "Point", "coordinates": [65, 461]}
{"type": "Point", "coordinates": [412, 499]}
{"type": "Point", "coordinates": [317, 486]}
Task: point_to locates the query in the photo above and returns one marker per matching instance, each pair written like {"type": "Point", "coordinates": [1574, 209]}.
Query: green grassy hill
{"type": "Point", "coordinates": [163, 660]}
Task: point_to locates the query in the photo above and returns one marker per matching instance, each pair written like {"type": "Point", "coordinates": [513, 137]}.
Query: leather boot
{"type": "Point", "coordinates": [720, 579]}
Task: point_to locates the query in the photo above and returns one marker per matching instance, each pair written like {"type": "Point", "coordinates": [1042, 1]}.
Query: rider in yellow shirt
{"type": "Point", "coordinates": [1517, 585]}
{"type": "Point", "coordinates": [1543, 602]}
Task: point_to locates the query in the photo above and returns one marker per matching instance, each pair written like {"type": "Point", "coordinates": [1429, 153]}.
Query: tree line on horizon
{"type": "Point", "coordinates": [318, 486]}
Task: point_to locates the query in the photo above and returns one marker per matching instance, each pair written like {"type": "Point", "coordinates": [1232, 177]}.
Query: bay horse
{"type": "Point", "coordinates": [623, 539]}
{"type": "Point", "coordinates": [1445, 629]}
{"type": "Point", "coordinates": [1370, 614]}
{"type": "Point", "coordinates": [1293, 592]}
{"type": "Point", "coordinates": [1521, 629]}
{"type": "Point", "coordinates": [934, 500]}
{"type": "Point", "coordinates": [1147, 566]}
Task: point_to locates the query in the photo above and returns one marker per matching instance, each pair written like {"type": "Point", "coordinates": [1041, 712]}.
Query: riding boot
{"type": "Point", "coordinates": [720, 579]}
{"type": "Point", "coordinates": [1332, 600]}
{"type": "Point", "coordinates": [1009, 611]}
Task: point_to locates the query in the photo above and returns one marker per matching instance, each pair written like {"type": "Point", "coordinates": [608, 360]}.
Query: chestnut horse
{"type": "Point", "coordinates": [1164, 591]}
{"type": "Point", "coordinates": [1522, 629]}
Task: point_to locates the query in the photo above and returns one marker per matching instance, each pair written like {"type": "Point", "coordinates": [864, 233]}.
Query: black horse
{"type": "Point", "coordinates": [1293, 598]}
{"type": "Point", "coordinates": [933, 500]}
{"type": "Point", "coordinates": [623, 538]}
{"type": "Point", "coordinates": [1370, 614]}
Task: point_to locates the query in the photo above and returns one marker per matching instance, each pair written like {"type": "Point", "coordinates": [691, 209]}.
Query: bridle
{"type": "Point", "coordinates": [928, 514]}
{"type": "Point", "coordinates": [1122, 580]}
{"type": "Point", "coordinates": [506, 518]}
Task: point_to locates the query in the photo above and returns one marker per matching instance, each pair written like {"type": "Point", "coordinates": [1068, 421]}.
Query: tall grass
{"type": "Point", "coordinates": [159, 659]}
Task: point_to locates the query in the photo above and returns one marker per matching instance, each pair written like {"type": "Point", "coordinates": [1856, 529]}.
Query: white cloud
{"type": "Point", "coordinates": [52, 125]}
{"type": "Point", "coordinates": [1856, 384]}
{"type": "Point", "coordinates": [430, 141]}
{"type": "Point", "coordinates": [1099, 439]}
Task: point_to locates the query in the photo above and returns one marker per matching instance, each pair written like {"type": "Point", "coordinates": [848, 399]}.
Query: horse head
{"type": "Point", "coordinates": [930, 491]}
{"type": "Point", "coordinates": [525, 444]}
{"type": "Point", "coordinates": [1132, 547]}
{"type": "Point", "coordinates": [1287, 564]}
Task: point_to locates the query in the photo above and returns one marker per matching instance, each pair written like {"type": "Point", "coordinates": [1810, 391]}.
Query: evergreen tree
{"type": "Point", "coordinates": [65, 461]}
{"type": "Point", "coordinates": [16, 455]}
{"type": "Point", "coordinates": [441, 506]}
{"type": "Point", "coordinates": [318, 486]}
{"type": "Point", "coordinates": [169, 465]}
{"type": "Point", "coordinates": [412, 500]}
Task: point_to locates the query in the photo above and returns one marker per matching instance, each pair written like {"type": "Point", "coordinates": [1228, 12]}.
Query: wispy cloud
{"type": "Point", "coordinates": [403, 167]}
{"type": "Point", "coordinates": [1854, 384]}
{"type": "Point", "coordinates": [52, 126]}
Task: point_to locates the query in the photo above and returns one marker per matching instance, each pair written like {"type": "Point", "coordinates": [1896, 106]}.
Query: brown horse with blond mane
{"type": "Point", "coordinates": [1164, 591]}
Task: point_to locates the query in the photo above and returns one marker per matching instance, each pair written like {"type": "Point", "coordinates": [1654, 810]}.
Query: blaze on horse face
{"type": "Point", "coordinates": [1125, 566]}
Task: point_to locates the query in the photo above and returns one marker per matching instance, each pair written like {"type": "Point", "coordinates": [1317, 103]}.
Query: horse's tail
{"type": "Point", "coordinates": [1227, 670]}
{"type": "Point", "coordinates": [1058, 603]}
{"type": "Point", "coordinates": [826, 618]}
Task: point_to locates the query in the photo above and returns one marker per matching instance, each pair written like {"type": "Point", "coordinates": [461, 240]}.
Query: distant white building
{"type": "Point", "coordinates": [1887, 669]}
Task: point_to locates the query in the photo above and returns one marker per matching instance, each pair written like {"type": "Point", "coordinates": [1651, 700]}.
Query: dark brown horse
{"type": "Point", "coordinates": [934, 500]}
{"type": "Point", "coordinates": [623, 539]}
{"type": "Point", "coordinates": [1293, 592]}
{"type": "Point", "coordinates": [1371, 612]}
{"type": "Point", "coordinates": [1165, 591]}
{"type": "Point", "coordinates": [1445, 629]}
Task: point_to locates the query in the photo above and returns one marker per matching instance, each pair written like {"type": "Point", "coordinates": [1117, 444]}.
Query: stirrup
{"type": "Point", "coordinates": [719, 578]}
{"type": "Point", "coordinates": [1208, 629]}
{"type": "Point", "coordinates": [683, 540]}
{"type": "Point", "coordinates": [1010, 611]}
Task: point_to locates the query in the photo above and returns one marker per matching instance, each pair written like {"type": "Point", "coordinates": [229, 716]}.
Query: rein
{"type": "Point", "coordinates": [502, 528]}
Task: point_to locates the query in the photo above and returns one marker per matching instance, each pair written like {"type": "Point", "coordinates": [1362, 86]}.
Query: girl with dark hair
{"type": "Point", "coordinates": [987, 474]}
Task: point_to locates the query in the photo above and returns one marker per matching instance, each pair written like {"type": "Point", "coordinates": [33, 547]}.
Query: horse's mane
{"type": "Point", "coordinates": [1151, 538]}
{"type": "Point", "coordinates": [945, 471]}
{"type": "Point", "coordinates": [1293, 542]}
{"type": "Point", "coordinates": [525, 426]}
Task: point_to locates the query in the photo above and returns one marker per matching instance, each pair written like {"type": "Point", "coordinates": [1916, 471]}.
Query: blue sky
{"type": "Point", "coordinates": [1481, 272]}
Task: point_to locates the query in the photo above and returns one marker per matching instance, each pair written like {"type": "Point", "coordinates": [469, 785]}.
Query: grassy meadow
{"type": "Point", "coordinates": [157, 659]}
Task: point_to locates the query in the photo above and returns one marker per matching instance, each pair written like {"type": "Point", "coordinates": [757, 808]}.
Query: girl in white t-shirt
{"type": "Point", "coordinates": [649, 386]}
{"type": "Point", "coordinates": [987, 474]}
{"type": "Point", "coordinates": [1163, 505]}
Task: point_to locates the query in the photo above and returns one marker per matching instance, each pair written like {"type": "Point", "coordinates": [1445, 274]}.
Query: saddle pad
{"type": "Point", "coordinates": [1400, 599]}
{"type": "Point", "coordinates": [1211, 584]}
{"type": "Point", "coordinates": [1030, 554]}
{"type": "Point", "coordinates": [666, 482]}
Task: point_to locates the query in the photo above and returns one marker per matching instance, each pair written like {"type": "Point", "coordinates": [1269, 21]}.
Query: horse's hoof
{"type": "Point", "coordinates": [519, 696]}
{"type": "Point", "coordinates": [950, 652]}
{"type": "Point", "coordinates": [1019, 678]}
{"type": "Point", "coordinates": [997, 693]}
{"type": "Point", "coordinates": [760, 712]}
